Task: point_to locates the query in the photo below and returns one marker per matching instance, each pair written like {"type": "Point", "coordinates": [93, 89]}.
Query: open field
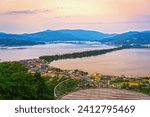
{"type": "Point", "coordinates": [106, 93]}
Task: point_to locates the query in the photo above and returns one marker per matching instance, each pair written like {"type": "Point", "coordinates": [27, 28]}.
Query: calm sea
{"type": "Point", "coordinates": [130, 62]}
{"type": "Point", "coordinates": [134, 62]}
{"type": "Point", "coordinates": [30, 52]}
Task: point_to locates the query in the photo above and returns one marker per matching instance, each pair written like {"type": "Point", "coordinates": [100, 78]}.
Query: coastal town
{"type": "Point", "coordinates": [91, 80]}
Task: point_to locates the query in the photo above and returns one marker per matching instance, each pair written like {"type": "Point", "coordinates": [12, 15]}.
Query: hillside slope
{"type": "Point", "coordinates": [130, 38]}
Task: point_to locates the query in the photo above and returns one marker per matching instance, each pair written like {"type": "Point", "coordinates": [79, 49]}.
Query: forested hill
{"type": "Point", "coordinates": [58, 35]}
{"type": "Point", "coordinates": [130, 38]}
{"type": "Point", "coordinates": [48, 36]}
{"type": "Point", "coordinates": [17, 84]}
{"type": "Point", "coordinates": [15, 42]}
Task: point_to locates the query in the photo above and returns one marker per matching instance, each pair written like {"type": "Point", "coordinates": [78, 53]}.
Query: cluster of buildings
{"type": "Point", "coordinates": [44, 68]}
{"type": "Point", "coordinates": [95, 79]}
{"type": "Point", "coordinates": [35, 65]}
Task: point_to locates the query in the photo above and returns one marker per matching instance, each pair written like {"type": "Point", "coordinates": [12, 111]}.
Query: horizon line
{"type": "Point", "coordinates": [76, 29]}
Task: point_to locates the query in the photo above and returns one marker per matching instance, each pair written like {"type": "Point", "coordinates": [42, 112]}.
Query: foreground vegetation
{"type": "Point", "coordinates": [17, 84]}
{"type": "Point", "coordinates": [140, 85]}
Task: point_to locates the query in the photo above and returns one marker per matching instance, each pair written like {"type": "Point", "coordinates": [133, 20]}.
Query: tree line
{"type": "Point", "coordinates": [81, 54]}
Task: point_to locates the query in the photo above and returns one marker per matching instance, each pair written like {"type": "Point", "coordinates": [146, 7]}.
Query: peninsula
{"type": "Point", "coordinates": [82, 54]}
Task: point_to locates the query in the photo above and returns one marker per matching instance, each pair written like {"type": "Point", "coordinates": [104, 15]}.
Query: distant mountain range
{"type": "Point", "coordinates": [48, 36]}
{"type": "Point", "coordinates": [130, 38]}
{"type": "Point", "coordinates": [17, 42]}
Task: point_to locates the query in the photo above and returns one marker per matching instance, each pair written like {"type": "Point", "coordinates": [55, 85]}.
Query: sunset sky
{"type": "Point", "coordinates": [24, 16]}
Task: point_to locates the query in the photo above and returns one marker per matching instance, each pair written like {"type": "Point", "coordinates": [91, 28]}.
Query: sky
{"type": "Point", "coordinates": [109, 16]}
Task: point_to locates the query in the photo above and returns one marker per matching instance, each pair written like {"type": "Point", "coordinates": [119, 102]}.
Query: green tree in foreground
{"type": "Point", "coordinates": [17, 84]}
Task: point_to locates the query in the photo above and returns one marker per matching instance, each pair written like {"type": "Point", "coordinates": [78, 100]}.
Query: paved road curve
{"type": "Point", "coordinates": [106, 93]}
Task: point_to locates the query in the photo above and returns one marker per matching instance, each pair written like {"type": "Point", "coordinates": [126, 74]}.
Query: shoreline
{"type": "Point", "coordinates": [78, 53]}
